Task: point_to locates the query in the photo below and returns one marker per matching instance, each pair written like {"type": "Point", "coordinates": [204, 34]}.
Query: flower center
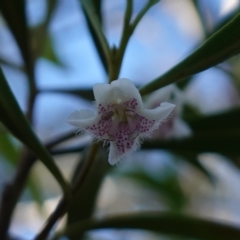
{"type": "Point", "coordinates": [123, 120]}
{"type": "Point", "coordinates": [119, 119]}
{"type": "Point", "coordinates": [120, 114]}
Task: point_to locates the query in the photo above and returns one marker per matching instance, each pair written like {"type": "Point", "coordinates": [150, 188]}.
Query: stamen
{"type": "Point", "coordinates": [107, 116]}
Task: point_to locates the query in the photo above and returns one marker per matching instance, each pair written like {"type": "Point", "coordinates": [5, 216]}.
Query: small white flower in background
{"type": "Point", "coordinates": [120, 117]}
{"type": "Point", "coordinates": [175, 127]}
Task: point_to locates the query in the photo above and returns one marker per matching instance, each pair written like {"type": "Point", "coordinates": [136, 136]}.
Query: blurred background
{"type": "Point", "coordinates": [151, 179]}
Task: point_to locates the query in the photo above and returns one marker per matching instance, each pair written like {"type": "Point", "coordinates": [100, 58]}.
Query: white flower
{"type": "Point", "coordinates": [121, 118]}
{"type": "Point", "coordinates": [175, 127]}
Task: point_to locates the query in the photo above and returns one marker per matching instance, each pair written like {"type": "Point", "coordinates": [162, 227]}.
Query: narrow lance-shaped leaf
{"type": "Point", "coordinates": [192, 158]}
{"type": "Point", "coordinates": [35, 189]}
{"type": "Point", "coordinates": [82, 93]}
{"type": "Point", "coordinates": [13, 118]}
{"type": "Point", "coordinates": [10, 153]}
{"type": "Point", "coordinates": [177, 225]}
{"type": "Point", "coordinates": [222, 142]}
{"type": "Point", "coordinates": [15, 16]}
{"type": "Point", "coordinates": [8, 150]}
{"type": "Point", "coordinates": [42, 42]}
{"type": "Point", "coordinates": [225, 120]}
{"type": "Point", "coordinates": [97, 10]}
{"type": "Point", "coordinates": [166, 186]}
{"type": "Point", "coordinates": [217, 48]}
{"type": "Point", "coordinates": [87, 194]}
{"type": "Point", "coordinates": [92, 12]}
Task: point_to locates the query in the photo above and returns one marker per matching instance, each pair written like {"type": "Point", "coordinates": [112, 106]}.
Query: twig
{"type": "Point", "coordinates": [12, 192]}
{"type": "Point", "coordinates": [64, 203]}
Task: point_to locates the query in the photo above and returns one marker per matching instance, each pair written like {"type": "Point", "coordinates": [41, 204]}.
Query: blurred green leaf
{"type": "Point", "coordinates": [49, 52]}
{"type": "Point", "coordinates": [182, 84]}
{"type": "Point", "coordinates": [96, 4]}
{"type": "Point", "coordinates": [41, 41]}
{"type": "Point", "coordinates": [13, 118]}
{"type": "Point", "coordinates": [224, 20]}
{"type": "Point", "coordinates": [92, 11]}
{"type": "Point", "coordinates": [14, 13]}
{"type": "Point", "coordinates": [192, 158]}
{"type": "Point", "coordinates": [35, 189]}
{"type": "Point", "coordinates": [202, 13]}
{"type": "Point", "coordinates": [10, 153]}
{"type": "Point", "coordinates": [224, 120]}
{"type": "Point", "coordinates": [86, 196]}
{"type": "Point", "coordinates": [220, 46]}
{"type": "Point", "coordinates": [167, 185]}
{"type": "Point", "coordinates": [190, 113]}
{"type": "Point", "coordinates": [223, 142]}
{"type": "Point", "coordinates": [165, 223]}
{"type": "Point", "coordinates": [200, 16]}
{"type": "Point", "coordinates": [82, 93]}
{"type": "Point", "coordinates": [8, 149]}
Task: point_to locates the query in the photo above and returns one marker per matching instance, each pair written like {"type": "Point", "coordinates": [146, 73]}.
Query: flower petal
{"type": "Point", "coordinates": [118, 152]}
{"type": "Point", "coordinates": [170, 93]}
{"type": "Point", "coordinates": [117, 92]}
{"type": "Point", "coordinates": [101, 129]}
{"type": "Point", "coordinates": [103, 93]}
{"type": "Point", "coordinates": [158, 96]}
{"type": "Point", "coordinates": [82, 118]}
{"type": "Point", "coordinates": [158, 115]}
{"type": "Point", "coordinates": [126, 90]}
{"type": "Point", "coordinates": [113, 156]}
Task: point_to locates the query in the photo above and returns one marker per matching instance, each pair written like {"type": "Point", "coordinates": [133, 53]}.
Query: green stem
{"type": "Point", "coordinates": [149, 4]}
{"type": "Point", "coordinates": [128, 29]}
{"type": "Point", "coordinates": [117, 54]}
{"type": "Point", "coordinates": [87, 5]}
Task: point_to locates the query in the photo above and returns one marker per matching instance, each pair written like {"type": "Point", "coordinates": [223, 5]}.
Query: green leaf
{"type": "Point", "coordinates": [14, 14]}
{"type": "Point", "coordinates": [165, 223]}
{"type": "Point", "coordinates": [220, 46]}
{"type": "Point", "coordinates": [222, 142]}
{"type": "Point", "coordinates": [224, 120]}
{"type": "Point", "coordinates": [82, 93]}
{"type": "Point", "coordinates": [10, 153]}
{"type": "Point", "coordinates": [92, 12]}
{"type": "Point", "coordinates": [49, 52]}
{"type": "Point", "coordinates": [97, 4]}
{"type": "Point", "coordinates": [41, 42]}
{"type": "Point", "coordinates": [167, 185]}
{"type": "Point", "coordinates": [8, 149]}
{"type": "Point", "coordinates": [35, 189]}
{"type": "Point", "coordinates": [13, 118]}
{"type": "Point", "coordinates": [192, 158]}
{"type": "Point", "coordinates": [83, 204]}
